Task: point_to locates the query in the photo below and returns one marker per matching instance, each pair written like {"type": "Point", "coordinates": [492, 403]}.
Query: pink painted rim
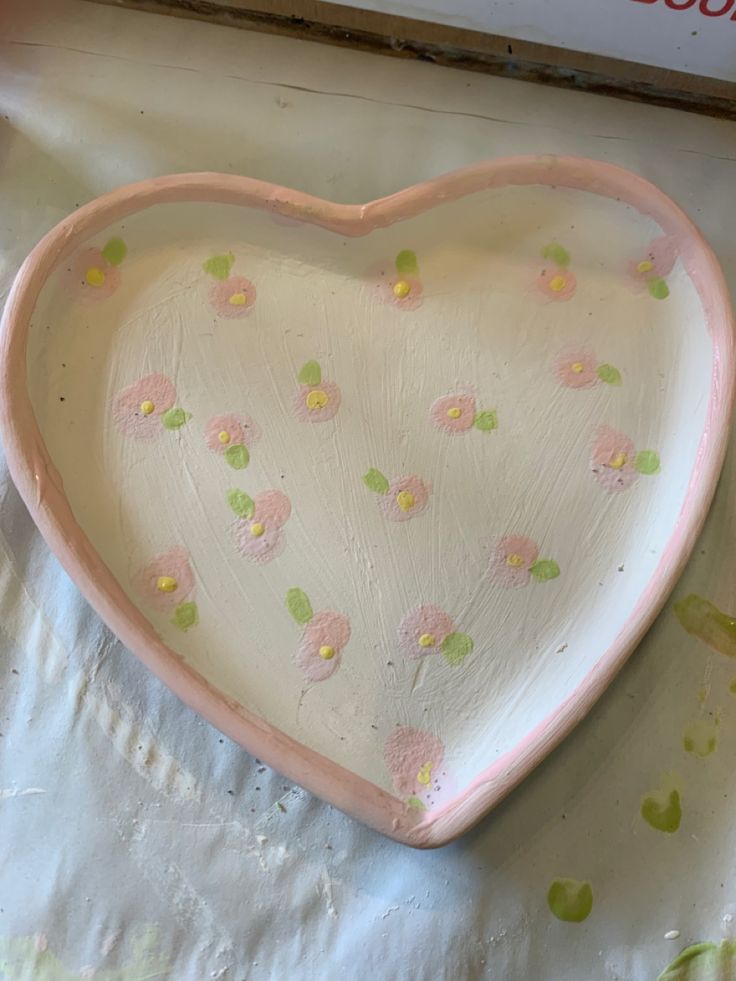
{"type": "Point", "coordinates": [40, 485]}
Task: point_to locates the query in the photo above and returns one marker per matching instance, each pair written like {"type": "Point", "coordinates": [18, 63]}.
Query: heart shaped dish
{"type": "Point", "coordinates": [387, 493]}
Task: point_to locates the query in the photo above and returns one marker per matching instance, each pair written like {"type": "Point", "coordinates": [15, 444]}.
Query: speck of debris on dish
{"type": "Point", "coordinates": [621, 567]}
{"type": "Point", "coordinates": [672, 935]}
{"type": "Point", "coordinates": [561, 649]}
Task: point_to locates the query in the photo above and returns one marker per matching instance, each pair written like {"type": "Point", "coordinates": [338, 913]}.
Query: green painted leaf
{"type": "Point", "coordinates": [569, 900]}
{"type": "Point", "coordinates": [375, 481]}
{"type": "Point", "coordinates": [115, 251]}
{"type": "Point", "coordinates": [456, 647]}
{"type": "Point", "coordinates": [297, 603]}
{"type": "Point", "coordinates": [647, 462]}
{"type": "Point", "coordinates": [311, 373]}
{"type": "Point", "coordinates": [557, 254]}
{"type": "Point", "coordinates": [175, 418]}
{"type": "Point", "coordinates": [241, 504]}
{"type": "Point", "coordinates": [237, 456]}
{"type": "Point", "coordinates": [545, 569]}
{"type": "Point", "coordinates": [406, 263]}
{"type": "Point", "coordinates": [486, 421]}
{"type": "Point", "coordinates": [186, 615]}
{"type": "Point", "coordinates": [608, 374]}
{"type": "Point", "coordinates": [661, 816]}
{"type": "Point", "coordinates": [416, 804]}
{"type": "Point", "coordinates": [702, 962]}
{"type": "Point", "coordinates": [658, 288]}
{"type": "Point", "coordinates": [219, 266]}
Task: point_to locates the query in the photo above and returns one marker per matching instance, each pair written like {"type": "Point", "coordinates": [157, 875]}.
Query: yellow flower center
{"type": "Point", "coordinates": [223, 436]}
{"type": "Point", "coordinates": [401, 289]}
{"type": "Point", "coordinates": [257, 529]}
{"type": "Point", "coordinates": [95, 276]}
{"type": "Point", "coordinates": [454, 412]}
{"type": "Point", "coordinates": [557, 283]}
{"type": "Point", "coordinates": [577, 367]}
{"type": "Point", "coordinates": [405, 500]}
{"type": "Point", "coordinates": [425, 774]}
{"type": "Point", "coordinates": [327, 652]}
{"type": "Point", "coordinates": [515, 560]}
{"type": "Point", "coordinates": [645, 266]}
{"type": "Point", "coordinates": [317, 399]}
{"type": "Point", "coordinates": [237, 300]}
{"type": "Point", "coordinates": [147, 407]}
{"type": "Point", "coordinates": [166, 584]}
{"type": "Point", "coordinates": [617, 461]}
{"type": "Point", "coordinates": [427, 640]}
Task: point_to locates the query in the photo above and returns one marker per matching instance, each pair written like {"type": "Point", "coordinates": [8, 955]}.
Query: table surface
{"type": "Point", "coordinates": [144, 844]}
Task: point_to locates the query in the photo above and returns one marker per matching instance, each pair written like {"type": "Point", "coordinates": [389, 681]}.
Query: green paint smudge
{"type": "Point", "coordinates": [608, 374]}
{"type": "Point", "coordinates": [241, 504]}
{"type": "Point", "coordinates": [569, 900]}
{"type": "Point", "coordinates": [175, 418]}
{"type": "Point", "coordinates": [456, 647]}
{"type": "Point", "coordinates": [219, 266]}
{"type": "Point", "coordinates": [21, 960]}
{"type": "Point", "coordinates": [658, 288]}
{"type": "Point", "coordinates": [115, 251]}
{"type": "Point", "coordinates": [647, 462]}
{"type": "Point", "coordinates": [406, 263]}
{"type": "Point", "coordinates": [703, 962]}
{"type": "Point", "coordinates": [375, 481]}
{"type": "Point", "coordinates": [662, 816]}
{"type": "Point", "coordinates": [186, 615]}
{"type": "Point", "coordinates": [544, 569]}
{"type": "Point", "coordinates": [237, 456]}
{"type": "Point", "coordinates": [311, 373]}
{"type": "Point", "coordinates": [557, 254]}
{"type": "Point", "coordinates": [297, 603]}
{"type": "Point", "coordinates": [732, 687]}
{"type": "Point", "coordinates": [700, 737]}
{"type": "Point", "coordinates": [416, 804]}
{"type": "Point", "coordinates": [486, 421]}
{"type": "Point", "coordinates": [705, 621]}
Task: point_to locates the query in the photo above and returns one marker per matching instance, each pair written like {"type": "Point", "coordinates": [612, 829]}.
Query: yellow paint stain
{"type": "Point", "coordinates": [95, 276]}
{"type": "Point", "coordinates": [405, 500]}
{"type": "Point", "coordinates": [700, 737]}
{"type": "Point", "coordinates": [237, 300]}
{"type": "Point", "coordinates": [427, 640]}
{"type": "Point", "coordinates": [402, 289]}
{"type": "Point", "coordinates": [425, 774]}
{"type": "Point", "coordinates": [166, 584]}
{"type": "Point", "coordinates": [557, 283]}
{"type": "Point", "coordinates": [326, 652]}
{"type": "Point", "coordinates": [706, 622]}
{"type": "Point", "coordinates": [224, 437]}
{"type": "Point", "coordinates": [454, 412]}
{"type": "Point", "coordinates": [317, 399]}
{"type": "Point", "coordinates": [257, 529]}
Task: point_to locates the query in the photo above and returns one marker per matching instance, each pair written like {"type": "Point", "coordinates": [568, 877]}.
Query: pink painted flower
{"type": "Point", "coordinates": [512, 560]}
{"type": "Point", "coordinates": [406, 498]}
{"type": "Point", "coordinates": [167, 580]}
{"type": "Point", "coordinates": [139, 410]}
{"type": "Point", "coordinates": [260, 537]}
{"type": "Point", "coordinates": [91, 276]}
{"type": "Point", "coordinates": [320, 651]}
{"type": "Point", "coordinates": [556, 283]}
{"type": "Point", "coordinates": [453, 413]}
{"type": "Point", "coordinates": [414, 760]}
{"type": "Point", "coordinates": [231, 430]}
{"type": "Point", "coordinates": [576, 368]}
{"type": "Point", "coordinates": [233, 297]}
{"type": "Point", "coordinates": [317, 403]}
{"type": "Point", "coordinates": [423, 631]}
{"type": "Point", "coordinates": [613, 459]}
{"type": "Point", "coordinates": [654, 262]}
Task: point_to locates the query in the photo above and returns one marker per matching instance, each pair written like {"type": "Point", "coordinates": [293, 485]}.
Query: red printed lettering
{"type": "Point", "coordinates": [715, 13]}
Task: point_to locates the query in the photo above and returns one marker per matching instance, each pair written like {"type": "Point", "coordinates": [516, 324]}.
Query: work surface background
{"type": "Point", "coordinates": [137, 842]}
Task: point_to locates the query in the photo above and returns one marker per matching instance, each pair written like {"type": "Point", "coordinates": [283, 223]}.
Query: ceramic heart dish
{"type": "Point", "coordinates": [387, 493]}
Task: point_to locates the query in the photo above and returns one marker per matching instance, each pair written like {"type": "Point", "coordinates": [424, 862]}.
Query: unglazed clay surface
{"type": "Point", "coordinates": [398, 494]}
